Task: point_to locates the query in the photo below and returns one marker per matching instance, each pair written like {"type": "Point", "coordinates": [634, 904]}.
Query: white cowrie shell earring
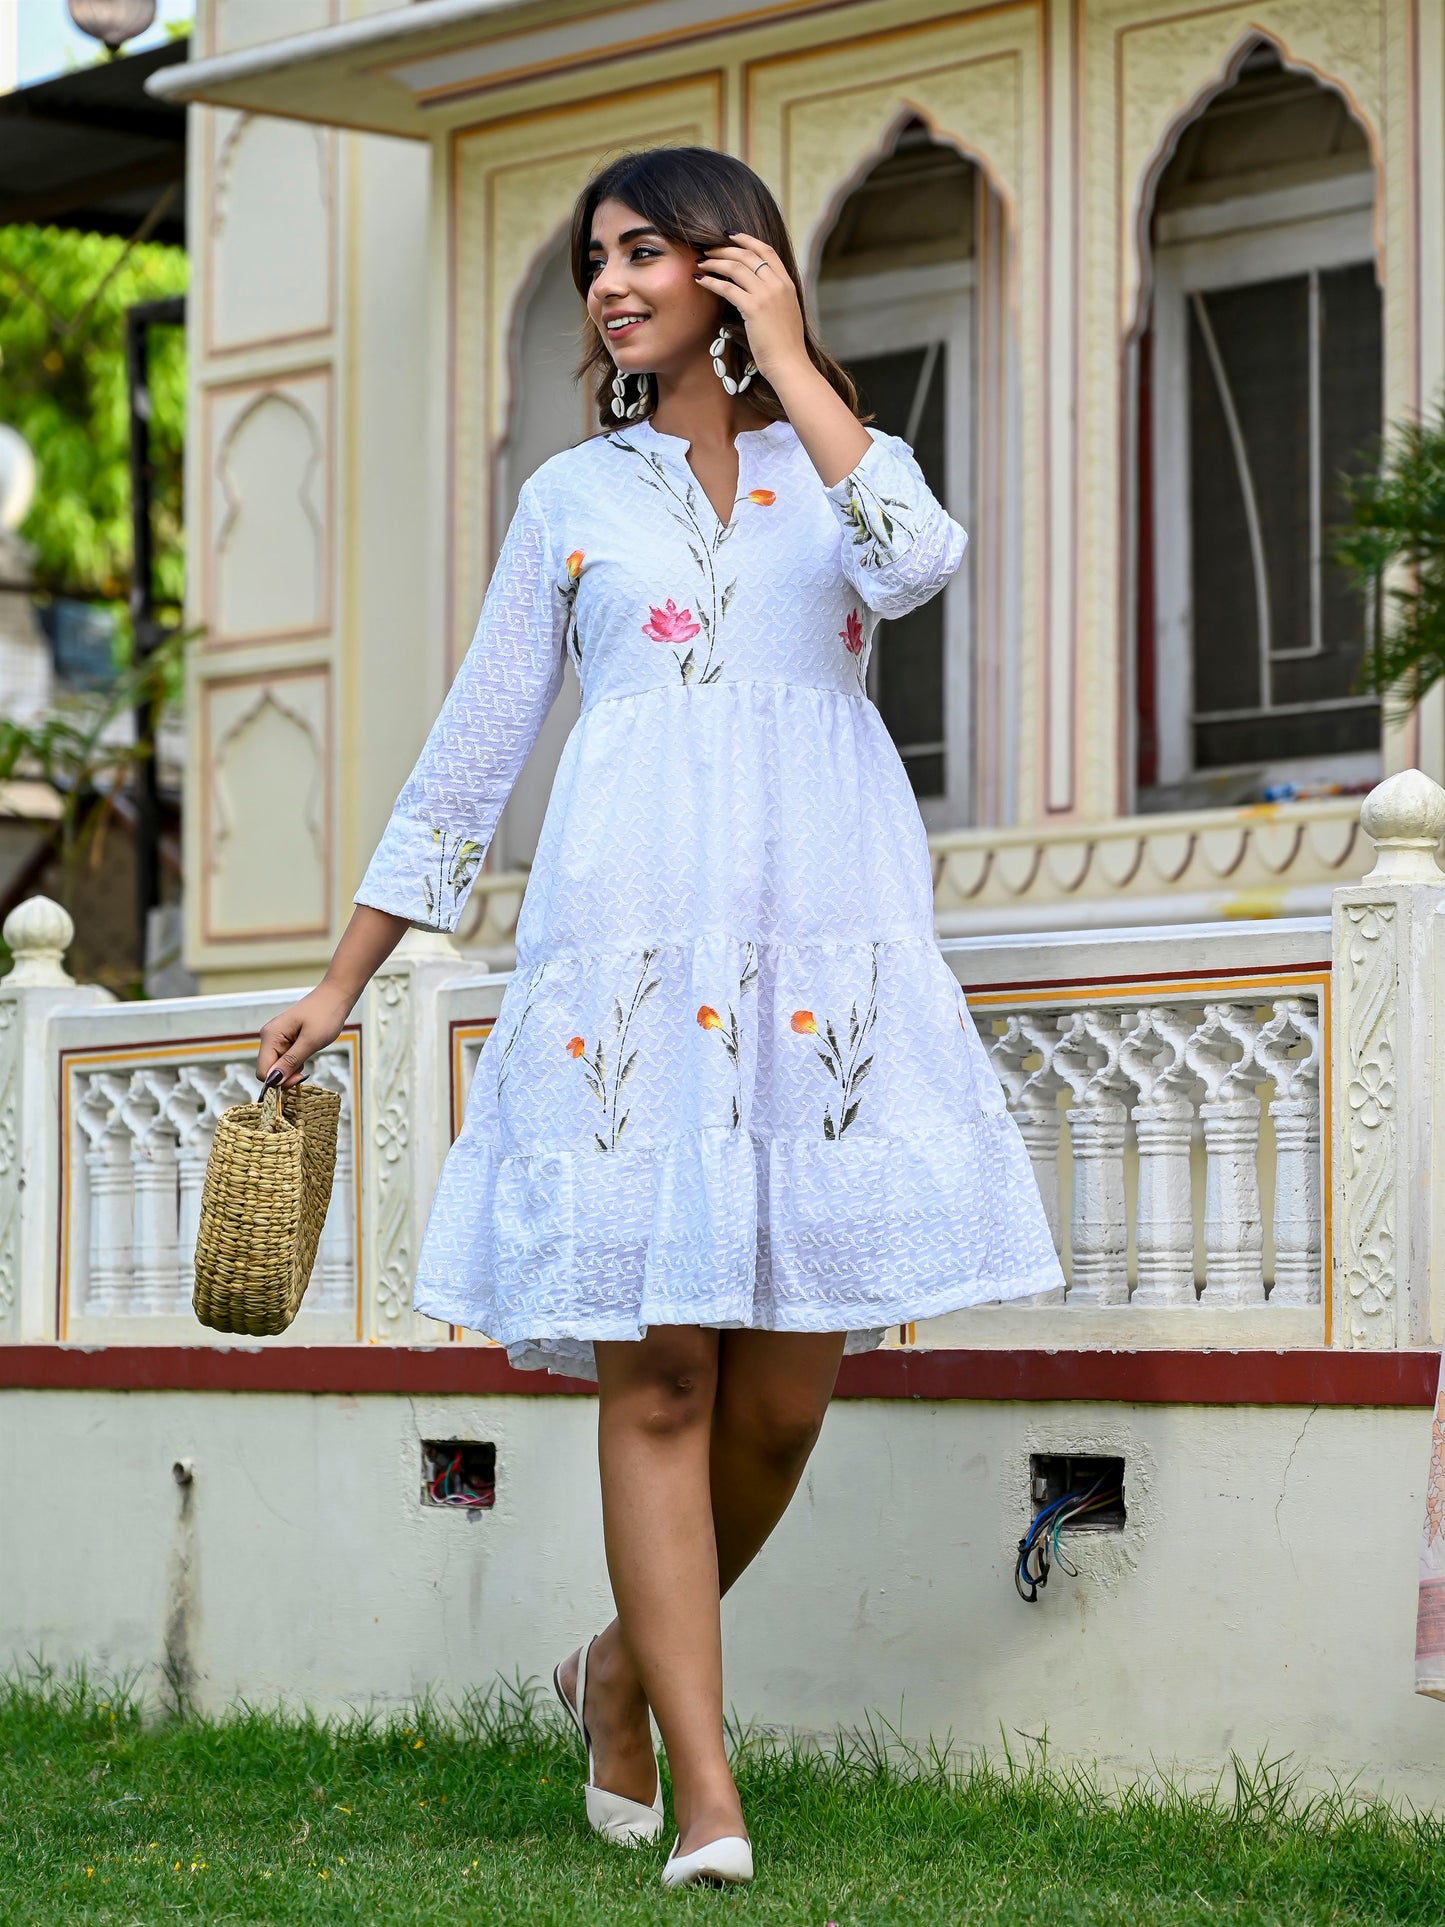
{"type": "Point", "coordinates": [620, 404]}
{"type": "Point", "coordinates": [716, 349]}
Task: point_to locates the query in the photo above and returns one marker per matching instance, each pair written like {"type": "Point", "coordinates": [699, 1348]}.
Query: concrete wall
{"type": "Point", "coordinates": [1261, 1596]}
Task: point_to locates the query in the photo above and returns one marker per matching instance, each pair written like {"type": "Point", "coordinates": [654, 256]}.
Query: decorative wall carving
{"type": "Point", "coordinates": [265, 829]}
{"type": "Point", "coordinates": [392, 1172]}
{"type": "Point", "coordinates": [268, 478]}
{"type": "Point", "coordinates": [1368, 980]}
{"type": "Point", "coordinates": [270, 251]}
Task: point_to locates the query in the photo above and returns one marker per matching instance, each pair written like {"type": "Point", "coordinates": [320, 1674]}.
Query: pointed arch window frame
{"type": "Point", "coordinates": [1277, 233]}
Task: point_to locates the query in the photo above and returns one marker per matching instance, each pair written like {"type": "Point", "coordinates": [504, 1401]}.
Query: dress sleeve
{"type": "Point", "coordinates": [443, 820]}
{"type": "Point", "coordinates": [899, 544]}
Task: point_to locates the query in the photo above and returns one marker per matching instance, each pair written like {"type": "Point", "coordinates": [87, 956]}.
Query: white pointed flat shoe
{"type": "Point", "coordinates": [729, 1861]}
{"type": "Point", "coordinates": [613, 1815]}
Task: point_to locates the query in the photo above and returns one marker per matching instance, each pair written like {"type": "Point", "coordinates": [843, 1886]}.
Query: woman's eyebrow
{"type": "Point", "coordinates": [628, 234]}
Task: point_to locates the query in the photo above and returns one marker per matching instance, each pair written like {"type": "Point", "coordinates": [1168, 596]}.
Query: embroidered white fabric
{"type": "Point", "coordinates": [733, 1081]}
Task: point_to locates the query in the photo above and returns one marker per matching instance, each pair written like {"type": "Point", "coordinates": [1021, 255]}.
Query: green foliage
{"type": "Point", "coordinates": [1394, 545]}
{"type": "Point", "coordinates": [63, 299]}
{"type": "Point", "coordinates": [476, 1816]}
{"type": "Point", "coordinates": [70, 750]}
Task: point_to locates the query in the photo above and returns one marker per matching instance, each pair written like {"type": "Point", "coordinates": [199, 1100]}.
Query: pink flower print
{"type": "Point", "coordinates": [671, 624]}
{"type": "Point", "coordinates": [852, 632]}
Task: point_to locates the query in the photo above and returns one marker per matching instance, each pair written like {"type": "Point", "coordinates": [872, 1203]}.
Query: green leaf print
{"type": "Point", "coordinates": [596, 1061]}
{"type": "Point", "coordinates": [851, 1074]}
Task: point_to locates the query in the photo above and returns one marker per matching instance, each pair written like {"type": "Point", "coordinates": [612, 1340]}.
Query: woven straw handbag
{"type": "Point", "coordinates": [263, 1203]}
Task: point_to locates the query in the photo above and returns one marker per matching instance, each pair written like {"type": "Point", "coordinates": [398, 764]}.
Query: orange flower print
{"type": "Point", "coordinates": [852, 632]}
{"type": "Point", "coordinates": [849, 1071]}
{"type": "Point", "coordinates": [576, 1046]}
{"type": "Point", "coordinates": [729, 1031]}
{"type": "Point", "coordinates": [671, 625]}
{"type": "Point", "coordinates": [764, 497]}
{"type": "Point", "coordinates": [572, 641]}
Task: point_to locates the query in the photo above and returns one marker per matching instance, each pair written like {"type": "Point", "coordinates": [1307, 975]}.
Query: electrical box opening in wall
{"type": "Point", "coordinates": [1095, 1484]}
{"type": "Point", "coordinates": [460, 1474]}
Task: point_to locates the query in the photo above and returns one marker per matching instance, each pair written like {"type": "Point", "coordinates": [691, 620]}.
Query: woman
{"type": "Point", "coordinates": [733, 1119]}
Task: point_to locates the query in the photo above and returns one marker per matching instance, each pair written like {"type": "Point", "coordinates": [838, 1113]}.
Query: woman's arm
{"type": "Point", "coordinates": [835, 439]}
{"type": "Point", "coordinates": [899, 545]}
{"type": "Point", "coordinates": [422, 870]}
{"type": "Point", "coordinates": [316, 1020]}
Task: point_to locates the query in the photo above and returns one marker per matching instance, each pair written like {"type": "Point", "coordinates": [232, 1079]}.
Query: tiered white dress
{"type": "Point", "coordinates": [733, 1081]}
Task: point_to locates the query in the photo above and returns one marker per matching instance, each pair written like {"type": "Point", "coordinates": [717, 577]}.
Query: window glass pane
{"type": "Point", "coordinates": [909, 652]}
{"type": "Point", "coordinates": [1351, 381]}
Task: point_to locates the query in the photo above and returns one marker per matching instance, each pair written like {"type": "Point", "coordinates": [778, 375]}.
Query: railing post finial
{"type": "Point", "coordinates": [1405, 817]}
{"type": "Point", "coordinates": [39, 932]}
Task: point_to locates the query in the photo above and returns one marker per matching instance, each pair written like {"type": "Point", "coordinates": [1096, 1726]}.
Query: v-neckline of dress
{"type": "Point", "coordinates": [679, 445]}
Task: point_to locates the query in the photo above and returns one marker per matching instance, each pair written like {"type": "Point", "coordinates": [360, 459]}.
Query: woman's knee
{"type": "Point", "coordinates": [669, 1385]}
{"type": "Point", "coordinates": [780, 1427]}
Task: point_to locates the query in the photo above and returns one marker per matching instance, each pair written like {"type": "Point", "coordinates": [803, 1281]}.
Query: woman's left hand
{"type": "Point", "coordinates": [749, 274]}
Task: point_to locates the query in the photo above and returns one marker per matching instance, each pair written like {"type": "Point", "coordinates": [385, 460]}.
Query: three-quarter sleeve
{"type": "Point", "coordinates": [443, 820]}
{"type": "Point", "coordinates": [899, 544]}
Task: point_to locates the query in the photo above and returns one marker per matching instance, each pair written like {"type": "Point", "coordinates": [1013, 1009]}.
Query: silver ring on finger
{"type": "Point", "coordinates": [760, 266]}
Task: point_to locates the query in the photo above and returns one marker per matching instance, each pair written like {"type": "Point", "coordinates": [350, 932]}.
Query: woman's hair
{"type": "Point", "coordinates": [693, 196]}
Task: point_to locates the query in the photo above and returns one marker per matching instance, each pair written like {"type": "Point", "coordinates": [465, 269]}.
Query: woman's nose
{"type": "Point", "coordinates": [609, 281]}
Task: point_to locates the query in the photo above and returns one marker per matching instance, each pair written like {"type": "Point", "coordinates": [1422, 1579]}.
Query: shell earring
{"type": "Point", "coordinates": [717, 349]}
{"type": "Point", "coordinates": [620, 404]}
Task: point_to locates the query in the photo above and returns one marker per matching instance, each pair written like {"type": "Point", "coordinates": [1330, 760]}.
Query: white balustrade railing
{"type": "Point", "coordinates": [1169, 1093]}
{"type": "Point", "coordinates": [1230, 1124]}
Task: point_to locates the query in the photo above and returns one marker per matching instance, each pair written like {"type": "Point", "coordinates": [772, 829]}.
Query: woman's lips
{"type": "Point", "coordinates": [627, 327]}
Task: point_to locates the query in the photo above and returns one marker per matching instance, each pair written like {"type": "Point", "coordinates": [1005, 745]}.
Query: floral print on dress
{"type": "Point", "coordinates": [571, 638]}
{"type": "Point", "coordinates": [671, 625]}
{"type": "Point", "coordinates": [851, 1074]}
{"type": "Point", "coordinates": [608, 1067]}
{"type": "Point", "coordinates": [851, 636]}
{"type": "Point", "coordinates": [683, 509]}
{"type": "Point", "coordinates": [874, 522]}
{"type": "Point", "coordinates": [727, 1028]}
{"type": "Point", "coordinates": [445, 886]}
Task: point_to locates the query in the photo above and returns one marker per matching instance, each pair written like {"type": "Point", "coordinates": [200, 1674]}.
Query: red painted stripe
{"type": "Point", "coordinates": [1131, 1378]}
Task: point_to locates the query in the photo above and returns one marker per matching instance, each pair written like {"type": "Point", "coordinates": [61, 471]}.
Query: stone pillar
{"type": "Point", "coordinates": [1384, 1070]}
{"type": "Point", "coordinates": [38, 932]}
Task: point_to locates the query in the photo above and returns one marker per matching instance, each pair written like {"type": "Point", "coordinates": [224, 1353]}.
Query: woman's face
{"type": "Point", "coordinates": [642, 297]}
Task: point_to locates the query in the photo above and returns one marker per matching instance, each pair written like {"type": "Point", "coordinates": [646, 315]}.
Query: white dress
{"type": "Point", "coordinates": [733, 1081]}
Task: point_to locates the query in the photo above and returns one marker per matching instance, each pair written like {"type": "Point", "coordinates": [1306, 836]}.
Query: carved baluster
{"type": "Point", "coordinates": [193, 1105]}
{"type": "Point", "coordinates": [1021, 1058]}
{"type": "Point", "coordinates": [1221, 1051]}
{"type": "Point", "coordinates": [108, 1169]}
{"type": "Point", "coordinates": [334, 1286]}
{"type": "Point", "coordinates": [155, 1190]}
{"type": "Point", "coordinates": [1153, 1056]}
{"type": "Point", "coordinates": [1288, 1048]}
{"type": "Point", "coordinates": [1086, 1057]}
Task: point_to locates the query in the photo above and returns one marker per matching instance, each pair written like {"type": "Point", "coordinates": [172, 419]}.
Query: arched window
{"type": "Point", "coordinates": [1260, 380]}
{"type": "Point", "coordinates": [897, 301]}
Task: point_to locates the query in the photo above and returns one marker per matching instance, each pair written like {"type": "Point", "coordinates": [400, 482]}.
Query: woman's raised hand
{"type": "Point", "coordinates": [749, 274]}
{"type": "Point", "coordinates": [298, 1033]}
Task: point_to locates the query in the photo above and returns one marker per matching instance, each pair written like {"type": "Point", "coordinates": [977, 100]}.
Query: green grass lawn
{"type": "Point", "coordinates": [105, 1816]}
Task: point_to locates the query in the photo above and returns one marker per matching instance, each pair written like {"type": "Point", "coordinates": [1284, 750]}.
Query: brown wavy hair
{"type": "Point", "coordinates": [694, 196]}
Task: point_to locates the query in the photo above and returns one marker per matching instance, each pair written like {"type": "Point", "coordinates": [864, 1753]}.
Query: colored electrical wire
{"type": "Point", "coordinates": [1038, 1550]}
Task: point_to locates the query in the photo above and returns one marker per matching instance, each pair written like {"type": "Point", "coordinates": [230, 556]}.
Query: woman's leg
{"type": "Point", "coordinates": [654, 1432]}
{"type": "Point", "coordinates": [771, 1393]}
